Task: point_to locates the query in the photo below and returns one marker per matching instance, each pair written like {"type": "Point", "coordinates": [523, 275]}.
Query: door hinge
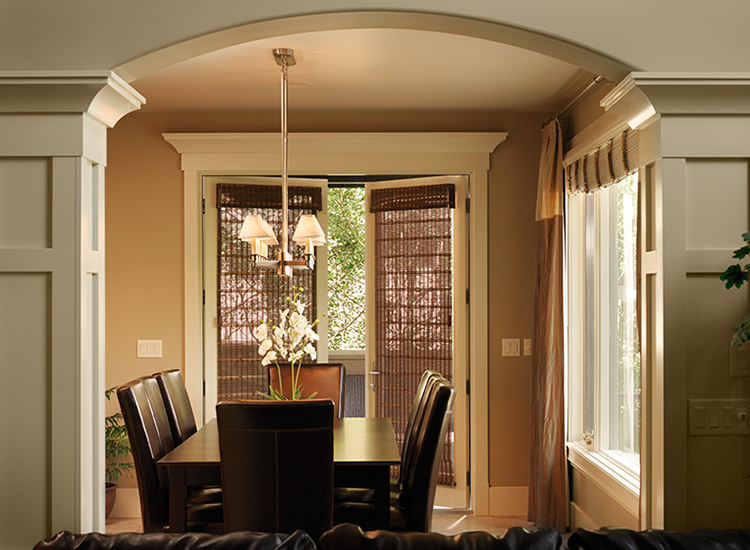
{"type": "Point", "coordinates": [204, 388]}
{"type": "Point", "coordinates": [468, 387]}
{"type": "Point", "coordinates": [203, 205]}
{"type": "Point", "coordinates": [467, 296]}
{"type": "Point", "coordinates": [468, 478]}
{"type": "Point", "coordinates": [204, 297]}
{"type": "Point", "coordinates": [468, 205]}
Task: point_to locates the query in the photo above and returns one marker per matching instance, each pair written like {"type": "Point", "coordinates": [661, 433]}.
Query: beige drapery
{"type": "Point", "coordinates": [548, 498]}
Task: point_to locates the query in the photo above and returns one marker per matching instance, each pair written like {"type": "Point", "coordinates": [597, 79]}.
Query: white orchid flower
{"type": "Point", "coordinates": [261, 332]}
{"type": "Point", "coordinates": [265, 346]}
{"type": "Point", "coordinates": [311, 334]}
{"type": "Point", "coordinates": [270, 356]}
{"type": "Point", "coordinates": [310, 350]}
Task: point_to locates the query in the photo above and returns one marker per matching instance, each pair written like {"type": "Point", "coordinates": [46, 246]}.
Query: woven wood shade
{"type": "Point", "coordinates": [608, 164]}
{"type": "Point", "coordinates": [413, 299]}
{"type": "Point", "coordinates": [246, 295]}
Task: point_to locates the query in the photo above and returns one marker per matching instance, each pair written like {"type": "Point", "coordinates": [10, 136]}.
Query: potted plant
{"type": "Point", "coordinates": [117, 452]}
{"type": "Point", "coordinates": [736, 275]}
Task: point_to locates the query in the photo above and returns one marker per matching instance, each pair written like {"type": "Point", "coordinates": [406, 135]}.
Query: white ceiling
{"type": "Point", "coordinates": [367, 69]}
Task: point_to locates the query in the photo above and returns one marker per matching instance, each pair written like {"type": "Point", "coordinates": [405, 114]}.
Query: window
{"type": "Point", "coordinates": [604, 365]}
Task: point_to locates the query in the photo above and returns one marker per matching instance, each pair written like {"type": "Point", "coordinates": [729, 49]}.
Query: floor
{"type": "Point", "coordinates": [447, 522]}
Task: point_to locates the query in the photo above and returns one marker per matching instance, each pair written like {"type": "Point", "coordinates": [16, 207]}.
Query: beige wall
{"type": "Point", "coordinates": [145, 256]}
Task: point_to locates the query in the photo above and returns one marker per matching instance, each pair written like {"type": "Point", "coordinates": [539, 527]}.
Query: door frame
{"type": "Point", "coordinates": [467, 153]}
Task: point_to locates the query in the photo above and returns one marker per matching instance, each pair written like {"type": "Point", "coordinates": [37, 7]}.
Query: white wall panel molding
{"type": "Point", "coordinates": [52, 274]}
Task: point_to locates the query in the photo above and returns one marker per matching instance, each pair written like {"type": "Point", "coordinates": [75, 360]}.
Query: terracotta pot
{"type": "Point", "coordinates": [111, 497]}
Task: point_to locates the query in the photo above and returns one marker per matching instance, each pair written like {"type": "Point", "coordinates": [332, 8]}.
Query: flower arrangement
{"type": "Point", "coordinates": [736, 275]}
{"type": "Point", "coordinates": [291, 341]}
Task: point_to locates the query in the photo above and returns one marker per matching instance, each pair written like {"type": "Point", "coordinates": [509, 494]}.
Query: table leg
{"type": "Point", "coordinates": [382, 496]}
{"type": "Point", "coordinates": [177, 499]}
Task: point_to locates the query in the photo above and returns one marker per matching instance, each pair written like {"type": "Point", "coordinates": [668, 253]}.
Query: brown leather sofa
{"type": "Point", "coordinates": [351, 537]}
{"type": "Point", "coordinates": [299, 540]}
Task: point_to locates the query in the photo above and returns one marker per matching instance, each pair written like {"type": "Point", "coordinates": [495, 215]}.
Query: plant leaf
{"type": "Point", "coordinates": [734, 275]}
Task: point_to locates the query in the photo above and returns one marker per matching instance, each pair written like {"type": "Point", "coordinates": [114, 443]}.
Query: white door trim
{"type": "Point", "coordinates": [349, 153]}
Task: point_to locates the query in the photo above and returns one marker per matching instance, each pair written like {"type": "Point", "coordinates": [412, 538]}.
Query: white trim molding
{"type": "Point", "coordinates": [641, 95]}
{"type": "Point", "coordinates": [348, 153]}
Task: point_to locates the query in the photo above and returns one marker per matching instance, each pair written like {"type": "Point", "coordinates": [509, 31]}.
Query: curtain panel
{"type": "Point", "coordinates": [548, 485]}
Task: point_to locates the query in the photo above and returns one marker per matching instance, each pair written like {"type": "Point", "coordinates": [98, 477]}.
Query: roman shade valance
{"type": "Point", "coordinates": [606, 165]}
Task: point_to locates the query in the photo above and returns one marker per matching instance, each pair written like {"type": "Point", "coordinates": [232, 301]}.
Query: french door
{"type": "Point", "coordinates": [417, 316]}
{"type": "Point", "coordinates": [437, 327]}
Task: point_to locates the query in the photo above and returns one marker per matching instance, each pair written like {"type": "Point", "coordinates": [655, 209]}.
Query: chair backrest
{"type": "Point", "coordinates": [415, 417]}
{"type": "Point", "coordinates": [327, 379]}
{"type": "Point", "coordinates": [177, 404]}
{"type": "Point", "coordinates": [277, 465]}
{"type": "Point", "coordinates": [146, 449]}
{"type": "Point", "coordinates": [160, 413]}
{"type": "Point", "coordinates": [420, 481]}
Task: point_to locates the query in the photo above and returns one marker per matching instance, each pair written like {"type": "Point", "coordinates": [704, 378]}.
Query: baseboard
{"type": "Point", "coordinates": [127, 504]}
{"type": "Point", "coordinates": [509, 501]}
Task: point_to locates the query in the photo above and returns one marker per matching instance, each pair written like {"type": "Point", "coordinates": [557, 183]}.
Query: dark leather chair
{"type": "Point", "coordinates": [177, 404]}
{"type": "Point", "coordinates": [171, 410]}
{"type": "Point", "coordinates": [277, 465]}
{"type": "Point", "coordinates": [416, 414]}
{"type": "Point", "coordinates": [326, 380]}
{"type": "Point", "coordinates": [411, 507]}
{"type": "Point", "coordinates": [147, 447]}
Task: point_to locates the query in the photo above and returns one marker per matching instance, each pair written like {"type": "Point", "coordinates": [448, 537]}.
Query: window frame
{"type": "Point", "coordinates": [588, 453]}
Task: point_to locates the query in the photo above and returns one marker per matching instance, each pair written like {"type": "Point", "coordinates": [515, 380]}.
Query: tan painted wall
{"type": "Point", "coordinates": [145, 254]}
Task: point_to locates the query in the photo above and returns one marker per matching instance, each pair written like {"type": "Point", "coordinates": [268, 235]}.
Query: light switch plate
{"type": "Point", "coordinates": [718, 416]}
{"type": "Point", "coordinates": [511, 347]}
{"type": "Point", "coordinates": [149, 349]}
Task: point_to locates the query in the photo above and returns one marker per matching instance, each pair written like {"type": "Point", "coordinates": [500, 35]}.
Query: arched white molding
{"type": "Point", "coordinates": [350, 153]}
{"type": "Point", "coordinates": [556, 48]}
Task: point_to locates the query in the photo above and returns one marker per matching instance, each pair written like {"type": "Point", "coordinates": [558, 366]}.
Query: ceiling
{"type": "Point", "coordinates": [367, 69]}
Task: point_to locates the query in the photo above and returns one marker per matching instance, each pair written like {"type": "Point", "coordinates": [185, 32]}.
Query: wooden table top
{"type": "Point", "coordinates": [355, 441]}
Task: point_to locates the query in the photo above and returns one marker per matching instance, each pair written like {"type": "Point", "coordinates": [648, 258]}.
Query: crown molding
{"type": "Point", "coordinates": [641, 96]}
{"type": "Point", "coordinates": [102, 94]}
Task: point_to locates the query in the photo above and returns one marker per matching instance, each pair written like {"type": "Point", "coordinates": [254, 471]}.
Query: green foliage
{"type": "Point", "coordinates": [735, 276]}
{"type": "Point", "coordinates": [117, 445]}
{"type": "Point", "coordinates": [346, 268]}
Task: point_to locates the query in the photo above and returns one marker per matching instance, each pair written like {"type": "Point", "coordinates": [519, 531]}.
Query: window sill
{"type": "Point", "coordinates": [620, 483]}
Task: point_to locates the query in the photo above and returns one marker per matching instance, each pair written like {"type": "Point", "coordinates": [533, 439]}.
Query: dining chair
{"type": "Point", "coordinates": [326, 380]}
{"type": "Point", "coordinates": [416, 414]}
{"type": "Point", "coordinates": [176, 403]}
{"type": "Point", "coordinates": [277, 465]}
{"type": "Point", "coordinates": [153, 484]}
{"type": "Point", "coordinates": [412, 506]}
{"type": "Point", "coordinates": [175, 422]}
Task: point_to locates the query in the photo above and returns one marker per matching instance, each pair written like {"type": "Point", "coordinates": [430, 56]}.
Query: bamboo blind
{"type": "Point", "coordinates": [246, 295]}
{"type": "Point", "coordinates": [413, 299]}
{"type": "Point", "coordinates": [605, 166]}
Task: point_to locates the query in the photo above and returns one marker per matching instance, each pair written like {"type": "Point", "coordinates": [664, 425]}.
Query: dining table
{"type": "Point", "coordinates": [364, 449]}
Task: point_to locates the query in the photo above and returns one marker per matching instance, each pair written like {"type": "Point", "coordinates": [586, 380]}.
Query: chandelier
{"type": "Point", "coordinates": [256, 231]}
